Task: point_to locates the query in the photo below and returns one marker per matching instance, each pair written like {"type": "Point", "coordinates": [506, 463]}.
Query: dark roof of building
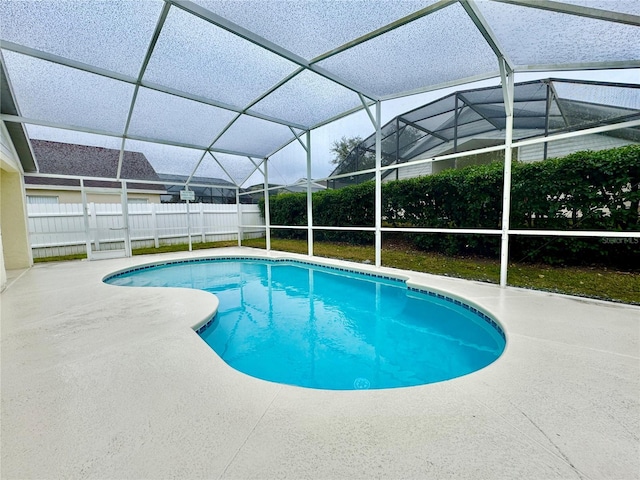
{"type": "Point", "coordinates": [169, 177]}
{"type": "Point", "coordinates": [81, 160]}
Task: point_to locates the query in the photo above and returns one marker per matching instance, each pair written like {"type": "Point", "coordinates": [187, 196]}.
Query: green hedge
{"type": "Point", "coordinates": [582, 191]}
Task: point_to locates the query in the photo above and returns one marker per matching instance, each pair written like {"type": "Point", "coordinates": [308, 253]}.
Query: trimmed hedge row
{"type": "Point", "coordinates": [582, 191]}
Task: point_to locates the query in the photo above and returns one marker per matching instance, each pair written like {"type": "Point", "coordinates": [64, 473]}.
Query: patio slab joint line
{"type": "Point", "coordinates": [571, 345]}
{"type": "Point", "coordinates": [560, 455]}
{"type": "Point", "coordinates": [249, 434]}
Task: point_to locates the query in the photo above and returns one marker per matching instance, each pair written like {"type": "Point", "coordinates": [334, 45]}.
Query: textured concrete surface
{"type": "Point", "coordinates": [111, 382]}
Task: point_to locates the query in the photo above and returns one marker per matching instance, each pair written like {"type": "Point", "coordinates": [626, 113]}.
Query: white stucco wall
{"type": "Point", "coordinates": [561, 148]}
{"type": "Point", "coordinates": [15, 252]}
{"type": "Point", "coordinates": [74, 195]}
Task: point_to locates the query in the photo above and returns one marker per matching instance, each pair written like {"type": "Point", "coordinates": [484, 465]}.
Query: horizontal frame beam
{"type": "Point", "coordinates": [49, 57]}
{"type": "Point", "coordinates": [478, 231]}
{"type": "Point", "coordinates": [576, 233]}
{"type": "Point", "coordinates": [578, 133]}
{"type": "Point", "coordinates": [128, 180]}
{"type": "Point", "coordinates": [44, 123]}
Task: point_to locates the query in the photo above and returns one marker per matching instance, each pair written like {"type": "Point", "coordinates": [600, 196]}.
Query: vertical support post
{"type": "Point", "coordinates": [397, 141]}
{"type": "Point", "coordinates": [239, 212]}
{"type": "Point", "coordinates": [398, 146]}
{"type": "Point", "coordinates": [154, 222]}
{"type": "Point", "coordinates": [186, 187]}
{"type": "Point", "coordinates": [378, 187]}
{"type": "Point", "coordinates": [85, 216]}
{"type": "Point", "coordinates": [455, 128]}
{"type": "Point", "coordinates": [267, 210]}
{"type": "Point", "coordinates": [309, 198]}
{"type": "Point", "coordinates": [546, 119]}
{"type": "Point", "coordinates": [125, 220]}
{"type": "Point", "coordinates": [507, 90]}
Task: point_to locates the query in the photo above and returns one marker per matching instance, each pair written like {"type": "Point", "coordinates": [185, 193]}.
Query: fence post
{"type": "Point", "coordinates": [85, 217]}
{"type": "Point", "coordinates": [239, 212]}
{"type": "Point", "coordinates": [124, 206]}
{"type": "Point", "coordinates": [94, 219]}
{"type": "Point", "coordinates": [154, 221]}
{"type": "Point", "coordinates": [204, 231]}
{"type": "Point", "coordinates": [189, 225]}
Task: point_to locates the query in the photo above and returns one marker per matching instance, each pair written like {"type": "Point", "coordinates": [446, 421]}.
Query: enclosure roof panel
{"type": "Point", "coordinates": [310, 28]}
{"type": "Point", "coordinates": [307, 99]}
{"type": "Point", "coordinates": [112, 34]}
{"type": "Point", "coordinates": [254, 136]}
{"type": "Point", "coordinates": [197, 57]}
{"type": "Point", "coordinates": [231, 76]}
{"type": "Point", "coordinates": [55, 93]}
{"type": "Point", "coordinates": [532, 36]}
{"type": "Point", "coordinates": [442, 47]}
{"type": "Point", "coordinates": [631, 7]}
{"type": "Point", "coordinates": [168, 117]}
{"type": "Point", "coordinates": [237, 167]}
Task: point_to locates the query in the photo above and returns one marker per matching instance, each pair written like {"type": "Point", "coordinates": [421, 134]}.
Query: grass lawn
{"type": "Point", "coordinates": [594, 282]}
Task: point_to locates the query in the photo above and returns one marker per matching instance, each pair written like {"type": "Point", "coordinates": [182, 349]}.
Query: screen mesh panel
{"type": "Point", "coordinates": [531, 36]}
{"type": "Point", "coordinates": [253, 136]}
{"type": "Point", "coordinates": [238, 167]}
{"type": "Point", "coordinates": [168, 117]}
{"type": "Point", "coordinates": [87, 31]}
{"type": "Point", "coordinates": [167, 158]}
{"type": "Point", "coordinates": [55, 93]}
{"type": "Point", "coordinates": [197, 57]}
{"type": "Point", "coordinates": [307, 99]}
{"type": "Point", "coordinates": [310, 28]}
{"type": "Point", "coordinates": [432, 50]}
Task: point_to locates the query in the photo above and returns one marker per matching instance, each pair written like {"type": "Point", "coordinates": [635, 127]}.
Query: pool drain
{"type": "Point", "coordinates": [361, 383]}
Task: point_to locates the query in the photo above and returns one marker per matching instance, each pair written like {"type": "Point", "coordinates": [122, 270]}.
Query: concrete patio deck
{"type": "Point", "coordinates": [110, 382]}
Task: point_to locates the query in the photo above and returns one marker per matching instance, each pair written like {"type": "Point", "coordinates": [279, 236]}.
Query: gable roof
{"type": "Point", "coordinates": [58, 158]}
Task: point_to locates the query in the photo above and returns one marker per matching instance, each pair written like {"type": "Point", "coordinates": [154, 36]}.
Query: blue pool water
{"type": "Point", "coordinates": [317, 327]}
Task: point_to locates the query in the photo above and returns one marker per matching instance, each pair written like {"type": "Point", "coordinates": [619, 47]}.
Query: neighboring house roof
{"type": "Point", "coordinates": [168, 177]}
{"type": "Point", "coordinates": [81, 160]}
{"type": "Point", "coordinates": [293, 188]}
{"type": "Point", "coordinates": [201, 193]}
{"type": "Point", "coordinates": [299, 186]}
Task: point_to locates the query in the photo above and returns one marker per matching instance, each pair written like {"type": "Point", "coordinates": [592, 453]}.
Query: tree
{"type": "Point", "coordinates": [341, 148]}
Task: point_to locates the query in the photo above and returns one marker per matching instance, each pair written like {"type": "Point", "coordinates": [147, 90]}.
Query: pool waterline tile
{"type": "Point", "coordinates": [478, 312]}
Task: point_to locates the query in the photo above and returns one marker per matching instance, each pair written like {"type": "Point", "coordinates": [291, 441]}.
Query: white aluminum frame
{"type": "Point", "coordinates": [506, 72]}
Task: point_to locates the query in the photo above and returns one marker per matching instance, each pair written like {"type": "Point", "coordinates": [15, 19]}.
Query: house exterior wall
{"type": "Point", "coordinates": [15, 251]}
{"type": "Point", "coordinates": [527, 154]}
{"type": "Point", "coordinates": [561, 148]}
{"type": "Point", "coordinates": [410, 172]}
{"type": "Point", "coordinates": [68, 195]}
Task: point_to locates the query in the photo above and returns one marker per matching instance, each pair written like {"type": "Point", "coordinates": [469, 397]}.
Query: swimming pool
{"type": "Point", "coordinates": [323, 327]}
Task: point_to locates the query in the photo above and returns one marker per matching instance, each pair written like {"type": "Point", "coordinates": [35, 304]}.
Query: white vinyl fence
{"type": "Point", "coordinates": [59, 229]}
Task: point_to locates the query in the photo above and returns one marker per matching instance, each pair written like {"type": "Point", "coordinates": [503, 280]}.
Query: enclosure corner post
{"type": "Point", "coordinates": [508, 91]}
{"type": "Point", "coordinates": [267, 214]}
{"type": "Point", "coordinates": [378, 186]}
